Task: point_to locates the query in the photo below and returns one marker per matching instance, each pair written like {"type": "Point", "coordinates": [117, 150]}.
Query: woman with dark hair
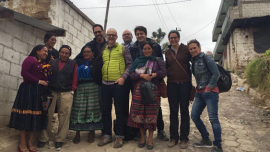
{"type": "Point", "coordinates": [206, 74]}
{"type": "Point", "coordinates": [178, 89]}
{"type": "Point", "coordinates": [144, 116]}
{"type": "Point", "coordinates": [27, 113]}
{"type": "Point", "coordinates": [85, 112]}
{"type": "Point", "coordinates": [49, 41]}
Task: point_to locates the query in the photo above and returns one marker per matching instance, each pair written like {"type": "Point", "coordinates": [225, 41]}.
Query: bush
{"type": "Point", "coordinates": [258, 72]}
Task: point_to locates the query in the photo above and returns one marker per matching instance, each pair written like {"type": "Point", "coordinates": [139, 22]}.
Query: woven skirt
{"type": "Point", "coordinates": [27, 113]}
{"type": "Point", "coordinates": [143, 116]}
{"type": "Point", "coordinates": [86, 112]}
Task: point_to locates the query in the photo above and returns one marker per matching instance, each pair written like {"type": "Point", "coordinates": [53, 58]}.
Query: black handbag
{"type": "Point", "coordinates": [147, 93]}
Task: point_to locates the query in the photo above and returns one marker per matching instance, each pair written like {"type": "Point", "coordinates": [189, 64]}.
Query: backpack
{"type": "Point", "coordinates": [224, 82]}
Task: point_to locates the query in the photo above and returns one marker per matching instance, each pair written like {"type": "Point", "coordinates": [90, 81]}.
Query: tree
{"type": "Point", "coordinates": [159, 35]}
{"type": "Point", "coordinates": [164, 47]}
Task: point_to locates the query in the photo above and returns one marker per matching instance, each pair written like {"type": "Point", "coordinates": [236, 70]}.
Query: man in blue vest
{"type": "Point", "coordinates": [116, 63]}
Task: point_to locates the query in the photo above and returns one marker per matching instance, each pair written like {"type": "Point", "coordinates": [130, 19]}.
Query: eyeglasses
{"type": "Point", "coordinates": [171, 38]}
{"type": "Point", "coordinates": [87, 52]}
{"type": "Point", "coordinates": [126, 34]}
{"type": "Point", "coordinates": [111, 35]}
{"type": "Point", "coordinates": [97, 32]}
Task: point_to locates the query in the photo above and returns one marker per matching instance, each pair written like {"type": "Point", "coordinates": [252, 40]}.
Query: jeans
{"type": "Point", "coordinates": [116, 92]}
{"type": "Point", "coordinates": [178, 95]}
{"type": "Point", "coordinates": [211, 101]}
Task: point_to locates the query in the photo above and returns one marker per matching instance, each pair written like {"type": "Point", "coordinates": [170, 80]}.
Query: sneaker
{"type": "Point", "coordinates": [118, 142]}
{"type": "Point", "coordinates": [41, 144]}
{"type": "Point", "coordinates": [184, 144]}
{"type": "Point", "coordinates": [162, 135]}
{"type": "Point", "coordinates": [172, 143]}
{"type": "Point", "coordinates": [58, 145]}
{"type": "Point", "coordinates": [104, 141]}
{"type": "Point", "coordinates": [216, 149]}
{"type": "Point", "coordinates": [204, 143]}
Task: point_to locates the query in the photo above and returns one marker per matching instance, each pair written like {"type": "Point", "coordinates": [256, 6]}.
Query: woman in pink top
{"type": "Point", "coordinates": [26, 113]}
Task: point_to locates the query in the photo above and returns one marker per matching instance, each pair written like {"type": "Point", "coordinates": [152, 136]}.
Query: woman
{"type": "Point", "coordinates": [206, 74]}
{"type": "Point", "coordinates": [27, 114]}
{"type": "Point", "coordinates": [86, 113]}
{"type": "Point", "coordinates": [178, 89]}
{"type": "Point", "coordinates": [146, 68]}
{"type": "Point", "coordinates": [50, 40]}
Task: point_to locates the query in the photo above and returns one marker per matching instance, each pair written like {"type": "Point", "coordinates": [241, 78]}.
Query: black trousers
{"type": "Point", "coordinates": [178, 95]}
{"type": "Point", "coordinates": [129, 87]}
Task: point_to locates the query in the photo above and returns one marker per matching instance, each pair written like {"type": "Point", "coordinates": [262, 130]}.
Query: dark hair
{"type": "Point", "coordinates": [194, 41]}
{"type": "Point", "coordinates": [97, 25]}
{"type": "Point", "coordinates": [87, 46]}
{"type": "Point", "coordinates": [141, 28]}
{"type": "Point", "coordinates": [151, 45]}
{"type": "Point", "coordinates": [35, 49]}
{"type": "Point", "coordinates": [174, 31]}
{"type": "Point", "coordinates": [48, 36]}
{"type": "Point", "coordinates": [67, 47]}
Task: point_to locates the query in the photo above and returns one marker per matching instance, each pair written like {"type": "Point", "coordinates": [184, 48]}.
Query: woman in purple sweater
{"type": "Point", "coordinates": [144, 116]}
{"type": "Point", "coordinates": [26, 113]}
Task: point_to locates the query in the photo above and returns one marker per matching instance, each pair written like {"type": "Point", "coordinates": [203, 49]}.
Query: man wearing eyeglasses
{"type": "Point", "coordinates": [127, 38]}
{"type": "Point", "coordinates": [136, 51]}
{"type": "Point", "coordinates": [116, 63]}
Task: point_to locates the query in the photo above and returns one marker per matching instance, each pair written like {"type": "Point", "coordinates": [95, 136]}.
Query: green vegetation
{"type": "Point", "coordinates": [258, 72]}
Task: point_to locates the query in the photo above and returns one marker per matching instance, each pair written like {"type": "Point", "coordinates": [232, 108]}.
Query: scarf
{"type": "Point", "coordinates": [140, 61]}
{"type": "Point", "coordinates": [46, 68]}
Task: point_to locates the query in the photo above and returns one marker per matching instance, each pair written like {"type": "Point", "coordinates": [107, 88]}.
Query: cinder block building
{"type": "Point", "coordinates": [23, 24]}
{"type": "Point", "coordinates": [241, 32]}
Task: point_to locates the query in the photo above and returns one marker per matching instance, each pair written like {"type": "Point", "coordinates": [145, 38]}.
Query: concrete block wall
{"type": "Point", "coordinates": [78, 30]}
{"type": "Point", "coordinates": [16, 42]}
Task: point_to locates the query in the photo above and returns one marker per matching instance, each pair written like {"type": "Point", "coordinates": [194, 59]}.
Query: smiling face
{"type": "Point", "coordinates": [147, 50]}
{"type": "Point", "coordinates": [141, 36]}
{"type": "Point", "coordinates": [64, 54]}
{"type": "Point", "coordinates": [51, 42]}
{"type": "Point", "coordinates": [174, 39]}
{"type": "Point", "coordinates": [194, 49]}
{"type": "Point", "coordinates": [111, 37]}
{"type": "Point", "coordinates": [98, 32]}
{"type": "Point", "coordinates": [127, 36]}
{"type": "Point", "coordinates": [88, 54]}
{"type": "Point", "coordinates": [42, 54]}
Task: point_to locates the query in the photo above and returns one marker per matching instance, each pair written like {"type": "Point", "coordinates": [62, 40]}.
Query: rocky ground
{"type": "Point", "coordinates": [245, 127]}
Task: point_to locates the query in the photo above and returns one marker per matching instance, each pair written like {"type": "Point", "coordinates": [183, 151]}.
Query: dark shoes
{"type": "Point", "coordinates": [150, 147]}
{"type": "Point", "coordinates": [204, 143]}
{"type": "Point", "coordinates": [172, 143]}
{"type": "Point", "coordinates": [162, 136]}
{"type": "Point", "coordinates": [76, 139]}
{"type": "Point", "coordinates": [216, 149]}
{"type": "Point", "coordinates": [58, 145]}
{"type": "Point", "coordinates": [41, 144]}
{"type": "Point", "coordinates": [91, 136]}
{"type": "Point", "coordinates": [141, 145]}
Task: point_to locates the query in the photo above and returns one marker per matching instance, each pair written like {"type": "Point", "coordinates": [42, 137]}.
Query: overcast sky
{"type": "Point", "coordinates": [196, 18]}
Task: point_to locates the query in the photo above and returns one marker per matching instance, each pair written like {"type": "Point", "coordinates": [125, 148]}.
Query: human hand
{"type": "Point", "coordinates": [120, 81]}
{"type": "Point", "coordinates": [42, 82]}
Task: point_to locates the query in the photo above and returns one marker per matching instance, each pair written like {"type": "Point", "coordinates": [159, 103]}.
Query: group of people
{"type": "Point", "coordinates": [103, 74]}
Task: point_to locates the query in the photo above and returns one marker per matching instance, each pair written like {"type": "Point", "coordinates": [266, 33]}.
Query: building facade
{"type": "Point", "coordinates": [23, 24]}
{"type": "Point", "coordinates": [242, 32]}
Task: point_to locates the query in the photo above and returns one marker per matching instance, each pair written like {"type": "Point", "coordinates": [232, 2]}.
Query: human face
{"type": "Point", "coordinates": [194, 49]}
{"type": "Point", "coordinates": [147, 50]}
{"type": "Point", "coordinates": [174, 39]}
{"type": "Point", "coordinates": [51, 42]}
{"type": "Point", "coordinates": [140, 36]}
{"type": "Point", "coordinates": [127, 36]}
{"type": "Point", "coordinates": [88, 54]}
{"type": "Point", "coordinates": [111, 37]}
{"type": "Point", "coordinates": [64, 54]}
{"type": "Point", "coordinates": [98, 33]}
{"type": "Point", "coordinates": [43, 53]}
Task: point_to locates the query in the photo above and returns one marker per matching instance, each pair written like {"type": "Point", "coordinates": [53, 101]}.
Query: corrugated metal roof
{"type": "Point", "coordinates": [31, 21]}
{"type": "Point", "coordinates": [79, 11]}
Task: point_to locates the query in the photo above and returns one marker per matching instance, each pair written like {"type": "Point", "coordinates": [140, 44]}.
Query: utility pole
{"type": "Point", "coordinates": [106, 17]}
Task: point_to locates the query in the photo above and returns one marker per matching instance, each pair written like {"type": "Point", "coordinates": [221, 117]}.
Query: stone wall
{"type": "Point", "coordinates": [16, 42]}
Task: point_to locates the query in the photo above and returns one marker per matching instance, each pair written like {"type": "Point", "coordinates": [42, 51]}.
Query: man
{"type": "Point", "coordinates": [136, 51]}
{"type": "Point", "coordinates": [116, 63]}
{"type": "Point", "coordinates": [127, 38]}
{"type": "Point", "coordinates": [63, 83]}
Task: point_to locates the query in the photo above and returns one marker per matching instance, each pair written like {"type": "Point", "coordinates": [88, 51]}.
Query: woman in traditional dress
{"type": "Point", "coordinates": [50, 40]}
{"type": "Point", "coordinates": [144, 116]}
{"type": "Point", "coordinates": [86, 113]}
{"type": "Point", "coordinates": [27, 113]}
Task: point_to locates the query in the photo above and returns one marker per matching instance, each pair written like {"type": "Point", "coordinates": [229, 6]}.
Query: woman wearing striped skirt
{"type": "Point", "coordinates": [27, 114]}
{"type": "Point", "coordinates": [86, 113]}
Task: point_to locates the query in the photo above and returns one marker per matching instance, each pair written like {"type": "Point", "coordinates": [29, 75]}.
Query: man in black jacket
{"type": "Point", "coordinates": [136, 51]}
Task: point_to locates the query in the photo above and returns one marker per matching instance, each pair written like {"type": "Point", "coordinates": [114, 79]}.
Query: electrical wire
{"type": "Point", "coordinates": [136, 5]}
{"type": "Point", "coordinates": [166, 28]}
{"type": "Point", "coordinates": [158, 15]}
